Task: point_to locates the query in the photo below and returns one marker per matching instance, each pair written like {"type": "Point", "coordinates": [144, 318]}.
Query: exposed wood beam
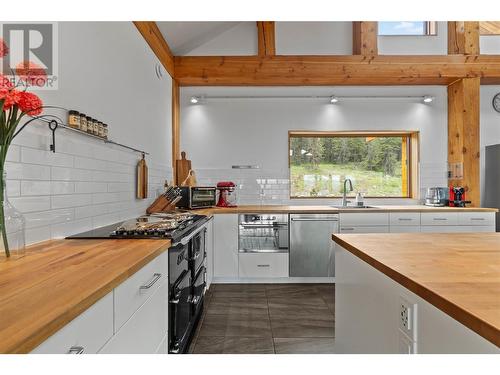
{"type": "Point", "coordinates": [463, 38]}
{"type": "Point", "coordinates": [364, 38]}
{"type": "Point", "coordinates": [266, 38]}
{"type": "Point", "coordinates": [332, 70]}
{"type": "Point", "coordinates": [176, 154]}
{"type": "Point", "coordinates": [463, 134]}
{"type": "Point", "coordinates": [152, 34]}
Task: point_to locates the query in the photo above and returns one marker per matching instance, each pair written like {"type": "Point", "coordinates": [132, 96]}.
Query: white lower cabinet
{"type": "Point", "coordinates": [263, 265]}
{"type": "Point", "coordinates": [145, 331]}
{"type": "Point", "coordinates": [226, 246]}
{"type": "Point", "coordinates": [405, 229]}
{"type": "Point", "coordinates": [87, 333]}
{"type": "Point", "coordinates": [364, 229]}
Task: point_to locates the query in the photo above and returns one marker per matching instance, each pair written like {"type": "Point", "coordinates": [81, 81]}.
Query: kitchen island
{"type": "Point", "coordinates": [417, 293]}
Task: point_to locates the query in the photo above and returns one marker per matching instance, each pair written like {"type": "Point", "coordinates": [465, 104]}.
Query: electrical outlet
{"type": "Point", "coordinates": [408, 318]}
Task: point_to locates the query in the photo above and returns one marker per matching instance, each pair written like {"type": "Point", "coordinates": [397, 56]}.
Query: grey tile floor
{"type": "Point", "coordinates": [267, 319]}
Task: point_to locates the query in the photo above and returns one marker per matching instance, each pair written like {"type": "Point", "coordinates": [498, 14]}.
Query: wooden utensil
{"type": "Point", "coordinates": [190, 179]}
{"type": "Point", "coordinates": [142, 179]}
{"type": "Point", "coordinates": [182, 168]}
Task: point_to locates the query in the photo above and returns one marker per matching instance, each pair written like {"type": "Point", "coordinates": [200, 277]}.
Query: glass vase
{"type": "Point", "coordinates": [12, 226]}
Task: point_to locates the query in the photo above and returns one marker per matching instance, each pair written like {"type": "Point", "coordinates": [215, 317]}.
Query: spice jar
{"type": "Point", "coordinates": [101, 129]}
{"type": "Point", "coordinates": [83, 122]}
{"type": "Point", "coordinates": [90, 125]}
{"type": "Point", "coordinates": [96, 127]}
{"type": "Point", "coordinates": [105, 131]}
{"type": "Point", "coordinates": [74, 119]}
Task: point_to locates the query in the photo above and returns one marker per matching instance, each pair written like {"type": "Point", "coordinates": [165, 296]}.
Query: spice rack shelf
{"type": "Point", "coordinates": [55, 123]}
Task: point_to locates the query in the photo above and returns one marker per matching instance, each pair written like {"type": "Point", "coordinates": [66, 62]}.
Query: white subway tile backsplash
{"type": "Point", "coordinates": [70, 174]}
{"type": "Point", "coordinates": [13, 188]}
{"type": "Point", "coordinates": [44, 218]}
{"type": "Point", "coordinates": [70, 200]}
{"type": "Point", "coordinates": [62, 187]}
{"type": "Point", "coordinates": [18, 171]}
{"type": "Point", "coordinates": [121, 186]}
{"type": "Point", "coordinates": [34, 156]}
{"type": "Point", "coordinates": [68, 228]}
{"type": "Point", "coordinates": [35, 235]}
{"type": "Point", "coordinates": [91, 187]}
{"type": "Point", "coordinates": [35, 188]}
{"type": "Point", "coordinates": [89, 211]}
{"type": "Point", "coordinates": [31, 204]}
{"type": "Point", "coordinates": [14, 153]}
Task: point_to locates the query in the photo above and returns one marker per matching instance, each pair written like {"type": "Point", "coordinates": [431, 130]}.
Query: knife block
{"type": "Point", "coordinates": [162, 204]}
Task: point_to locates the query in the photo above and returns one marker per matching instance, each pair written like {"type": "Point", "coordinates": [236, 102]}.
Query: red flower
{"type": "Point", "coordinates": [31, 73]}
{"type": "Point", "coordinates": [4, 50]}
{"type": "Point", "coordinates": [5, 82]}
{"type": "Point", "coordinates": [30, 103]}
{"type": "Point", "coordinates": [10, 97]}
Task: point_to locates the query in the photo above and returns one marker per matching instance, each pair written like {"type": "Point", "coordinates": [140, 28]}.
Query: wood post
{"type": "Point", "coordinates": [364, 38]}
{"type": "Point", "coordinates": [463, 38]}
{"type": "Point", "coordinates": [463, 135]}
{"type": "Point", "coordinates": [175, 125]}
{"type": "Point", "coordinates": [266, 38]}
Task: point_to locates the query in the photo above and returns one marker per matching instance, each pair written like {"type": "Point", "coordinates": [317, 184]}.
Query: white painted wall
{"type": "Point", "coordinates": [490, 124]}
{"type": "Point", "coordinates": [489, 44]}
{"type": "Point", "coordinates": [255, 131]}
{"type": "Point", "coordinates": [415, 45]}
{"type": "Point", "coordinates": [313, 38]}
{"type": "Point", "coordinates": [238, 40]}
{"type": "Point", "coordinates": [105, 70]}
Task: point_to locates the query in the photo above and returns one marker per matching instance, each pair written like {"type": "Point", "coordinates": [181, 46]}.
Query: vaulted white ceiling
{"type": "Point", "coordinates": [183, 37]}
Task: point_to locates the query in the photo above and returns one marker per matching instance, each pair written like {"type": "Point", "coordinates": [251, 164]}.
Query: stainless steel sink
{"type": "Point", "coordinates": [350, 207]}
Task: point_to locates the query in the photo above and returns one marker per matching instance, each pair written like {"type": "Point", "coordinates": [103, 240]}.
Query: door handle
{"type": "Point", "coordinates": [155, 278]}
{"type": "Point", "coordinates": [263, 265]}
{"type": "Point", "coordinates": [76, 350]}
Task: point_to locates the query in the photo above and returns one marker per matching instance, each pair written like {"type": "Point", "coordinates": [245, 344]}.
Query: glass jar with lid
{"type": "Point", "coordinates": [90, 125]}
{"type": "Point", "coordinates": [83, 122]}
{"type": "Point", "coordinates": [74, 119]}
{"type": "Point", "coordinates": [96, 127]}
{"type": "Point", "coordinates": [105, 131]}
{"type": "Point", "coordinates": [101, 129]}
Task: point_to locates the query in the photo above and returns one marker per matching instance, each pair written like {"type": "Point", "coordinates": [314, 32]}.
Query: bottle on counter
{"type": "Point", "coordinates": [359, 200]}
{"type": "Point", "coordinates": [90, 125]}
{"type": "Point", "coordinates": [83, 122]}
{"type": "Point", "coordinates": [74, 119]}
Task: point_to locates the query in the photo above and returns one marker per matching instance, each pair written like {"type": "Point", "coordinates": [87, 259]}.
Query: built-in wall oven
{"type": "Point", "coordinates": [263, 233]}
{"type": "Point", "coordinates": [187, 284]}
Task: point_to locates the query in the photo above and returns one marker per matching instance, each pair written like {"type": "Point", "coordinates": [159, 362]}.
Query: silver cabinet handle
{"type": "Point", "coordinates": [346, 228]}
{"type": "Point", "coordinates": [76, 350]}
{"type": "Point", "coordinates": [404, 219]}
{"type": "Point", "coordinates": [439, 219]}
{"type": "Point", "coordinates": [263, 265]}
{"type": "Point", "coordinates": [477, 218]}
{"type": "Point", "coordinates": [156, 277]}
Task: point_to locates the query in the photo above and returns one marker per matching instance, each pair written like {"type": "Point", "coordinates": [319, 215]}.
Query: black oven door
{"type": "Point", "coordinates": [199, 286]}
{"type": "Point", "coordinates": [197, 251]}
{"type": "Point", "coordinates": [180, 313]}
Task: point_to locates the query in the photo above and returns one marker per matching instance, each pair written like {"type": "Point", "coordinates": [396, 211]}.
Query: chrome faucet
{"type": "Point", "coordinates": [344, 197]}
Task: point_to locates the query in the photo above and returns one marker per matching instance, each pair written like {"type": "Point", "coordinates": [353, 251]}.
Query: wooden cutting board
{"type": "Point", "coordinates": [142, 179]}
{"type": "Point", "coordinates": [182, 168]}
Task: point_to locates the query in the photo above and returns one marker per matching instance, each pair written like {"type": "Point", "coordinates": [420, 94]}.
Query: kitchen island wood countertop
{"type": "Point", "coordinates": [329, 209]}
{"type": "Point", "coordinates": [457, 273]}
{"type": "Point", "coordinates": [58, 280]}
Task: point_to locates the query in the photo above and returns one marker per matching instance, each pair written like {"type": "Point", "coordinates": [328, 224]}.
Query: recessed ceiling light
{"type": "Point", "coordinates": [194, 100]}
{"type": "Point", "coordinates": [428, 99]}
{"type": "Point", "coordinates": [334, 99]}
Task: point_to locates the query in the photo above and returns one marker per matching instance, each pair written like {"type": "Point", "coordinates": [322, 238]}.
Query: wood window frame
{"type": "Point", "coordinates": [413, 155]}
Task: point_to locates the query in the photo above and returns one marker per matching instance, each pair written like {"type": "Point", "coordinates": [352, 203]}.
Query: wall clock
{"type": "Point", "coordinates": [496, 102]}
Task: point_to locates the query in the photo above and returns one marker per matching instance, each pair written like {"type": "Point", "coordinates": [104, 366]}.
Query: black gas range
{"type": "Point", "coordinates": [186, 265]}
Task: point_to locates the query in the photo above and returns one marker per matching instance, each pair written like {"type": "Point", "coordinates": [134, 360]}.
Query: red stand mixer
{"type": "Point", "coordinates": [227, 196]}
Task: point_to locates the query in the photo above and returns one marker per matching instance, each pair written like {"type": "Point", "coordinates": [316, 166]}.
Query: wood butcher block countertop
{"type": "Point", "coordinates": [457, 273]}
{"type": "Point", "coordinates": [58, 280]}
{"type": "Point", "coordinates": [329, 209]}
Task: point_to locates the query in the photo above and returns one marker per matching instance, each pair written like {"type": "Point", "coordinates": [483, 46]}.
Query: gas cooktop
{"type": "Point", "coordinates": [155, 226]}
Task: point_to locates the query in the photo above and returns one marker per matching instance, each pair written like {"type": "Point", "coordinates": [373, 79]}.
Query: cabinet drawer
{"type": "Point", "coordinates": [134, 291]}
{"type": "Point", "coordinates": [439, 218]}
{"type": "Point", "coordinates": [144, 331]}
{"type": "Point", "coordinates": [88, 332]}
{"type": "Point", "coordinates": [365, 229]}
{"type": "Point", "coordinates": [404, 218]}
{"type": "Point", "coordinates": [263, 265]}
{"type": "Point", "coordinates": [476, 218]}
{"type": "Point", "coordinates": [364, 219]}
{"type": "Point", "coordinates": [405, 229]}
{"type": "Point", "coordinates": [477, 228]}
{"type": "Point", "coordinates": [441, 229]}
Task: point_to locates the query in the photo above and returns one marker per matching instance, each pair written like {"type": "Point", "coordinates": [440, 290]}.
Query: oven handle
{"type": "Point", "coordinates": [177, 294]}
{"type": "Point", "coordinates": [184, 241]}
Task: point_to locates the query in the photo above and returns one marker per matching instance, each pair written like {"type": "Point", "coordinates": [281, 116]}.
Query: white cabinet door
{"type": "Point", "coordinates": [144, 332]}
{"type": "Point", "coordinates": [209, 261]}
{"type": "Point", "coordinates": [404, 218]}
{"type": "Point", "coordinates": [439, 218]}
{"type": "Point", "coordinates": [405, 229]}
{"type": "Point", "coordinates": [477, 228]}
{"type": "Point", "coordinates": [358, 219]}
{"type": "Point", "coordinates": [365, 229]}
{"type": "Point", "coordinates": [266, 265]}
{"type": "Point", "coordinates": [87, 333]}
{"type": "Point", "coordinates": [137, 289]}
{"type": "Point", "coordinates": [226, 245]}
{"type": "Point", "coordinates": [441, 229]}
{"type": "Point", "coordinates": [476, 218]}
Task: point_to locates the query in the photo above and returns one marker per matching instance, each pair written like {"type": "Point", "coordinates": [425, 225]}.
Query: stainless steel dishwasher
{"type": "Point", "coordinates": [311, 244]}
